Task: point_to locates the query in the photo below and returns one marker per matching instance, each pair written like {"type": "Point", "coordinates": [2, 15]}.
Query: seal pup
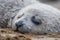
{"type": "Point", "coordinates": [37, 18]}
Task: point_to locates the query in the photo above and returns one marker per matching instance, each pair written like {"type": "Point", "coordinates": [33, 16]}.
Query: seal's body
{"type": "Point", "coordinates": [33, 17]}
{"type": "Point", "coordinates": [37, 18]}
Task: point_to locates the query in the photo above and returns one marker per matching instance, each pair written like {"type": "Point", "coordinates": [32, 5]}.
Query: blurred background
{"type": "Point", "coordinates": [55, 3]}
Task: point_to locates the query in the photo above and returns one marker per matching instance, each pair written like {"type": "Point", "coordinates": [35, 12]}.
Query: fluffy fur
{"type": "Point", "coordinates": [49, 16]}
{"type": "Point", "coordinates": [9, 9]}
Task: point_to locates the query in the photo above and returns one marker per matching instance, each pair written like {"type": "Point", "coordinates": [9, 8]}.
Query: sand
{"type": "Point", "coordinates": [9, 34]}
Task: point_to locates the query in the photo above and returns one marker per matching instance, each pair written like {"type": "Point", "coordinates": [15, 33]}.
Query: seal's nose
{"type": "Point", "coordinates": [19, 24]}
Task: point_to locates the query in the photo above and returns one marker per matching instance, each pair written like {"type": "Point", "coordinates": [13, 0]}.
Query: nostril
{"type": "Point", "coordinates": [19, 24]}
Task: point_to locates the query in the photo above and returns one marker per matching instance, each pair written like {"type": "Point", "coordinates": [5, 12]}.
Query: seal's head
{"type": "Point", "coordinates": [37, 18]}
{"type": "Point", "coordinates": [27, 22]}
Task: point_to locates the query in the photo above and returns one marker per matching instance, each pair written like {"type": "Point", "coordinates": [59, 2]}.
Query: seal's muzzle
{"type": "Point", "coordinates": [19, 24]}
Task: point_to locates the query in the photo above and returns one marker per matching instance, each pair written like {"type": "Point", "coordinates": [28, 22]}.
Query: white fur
{"type": "Point", "coordinates": [49, 16]}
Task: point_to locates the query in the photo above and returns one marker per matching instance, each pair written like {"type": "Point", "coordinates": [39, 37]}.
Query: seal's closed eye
{"type": "Point", "coordinates": [20, 16]}
{"type": "Point", "coordinates": [36, 21]}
